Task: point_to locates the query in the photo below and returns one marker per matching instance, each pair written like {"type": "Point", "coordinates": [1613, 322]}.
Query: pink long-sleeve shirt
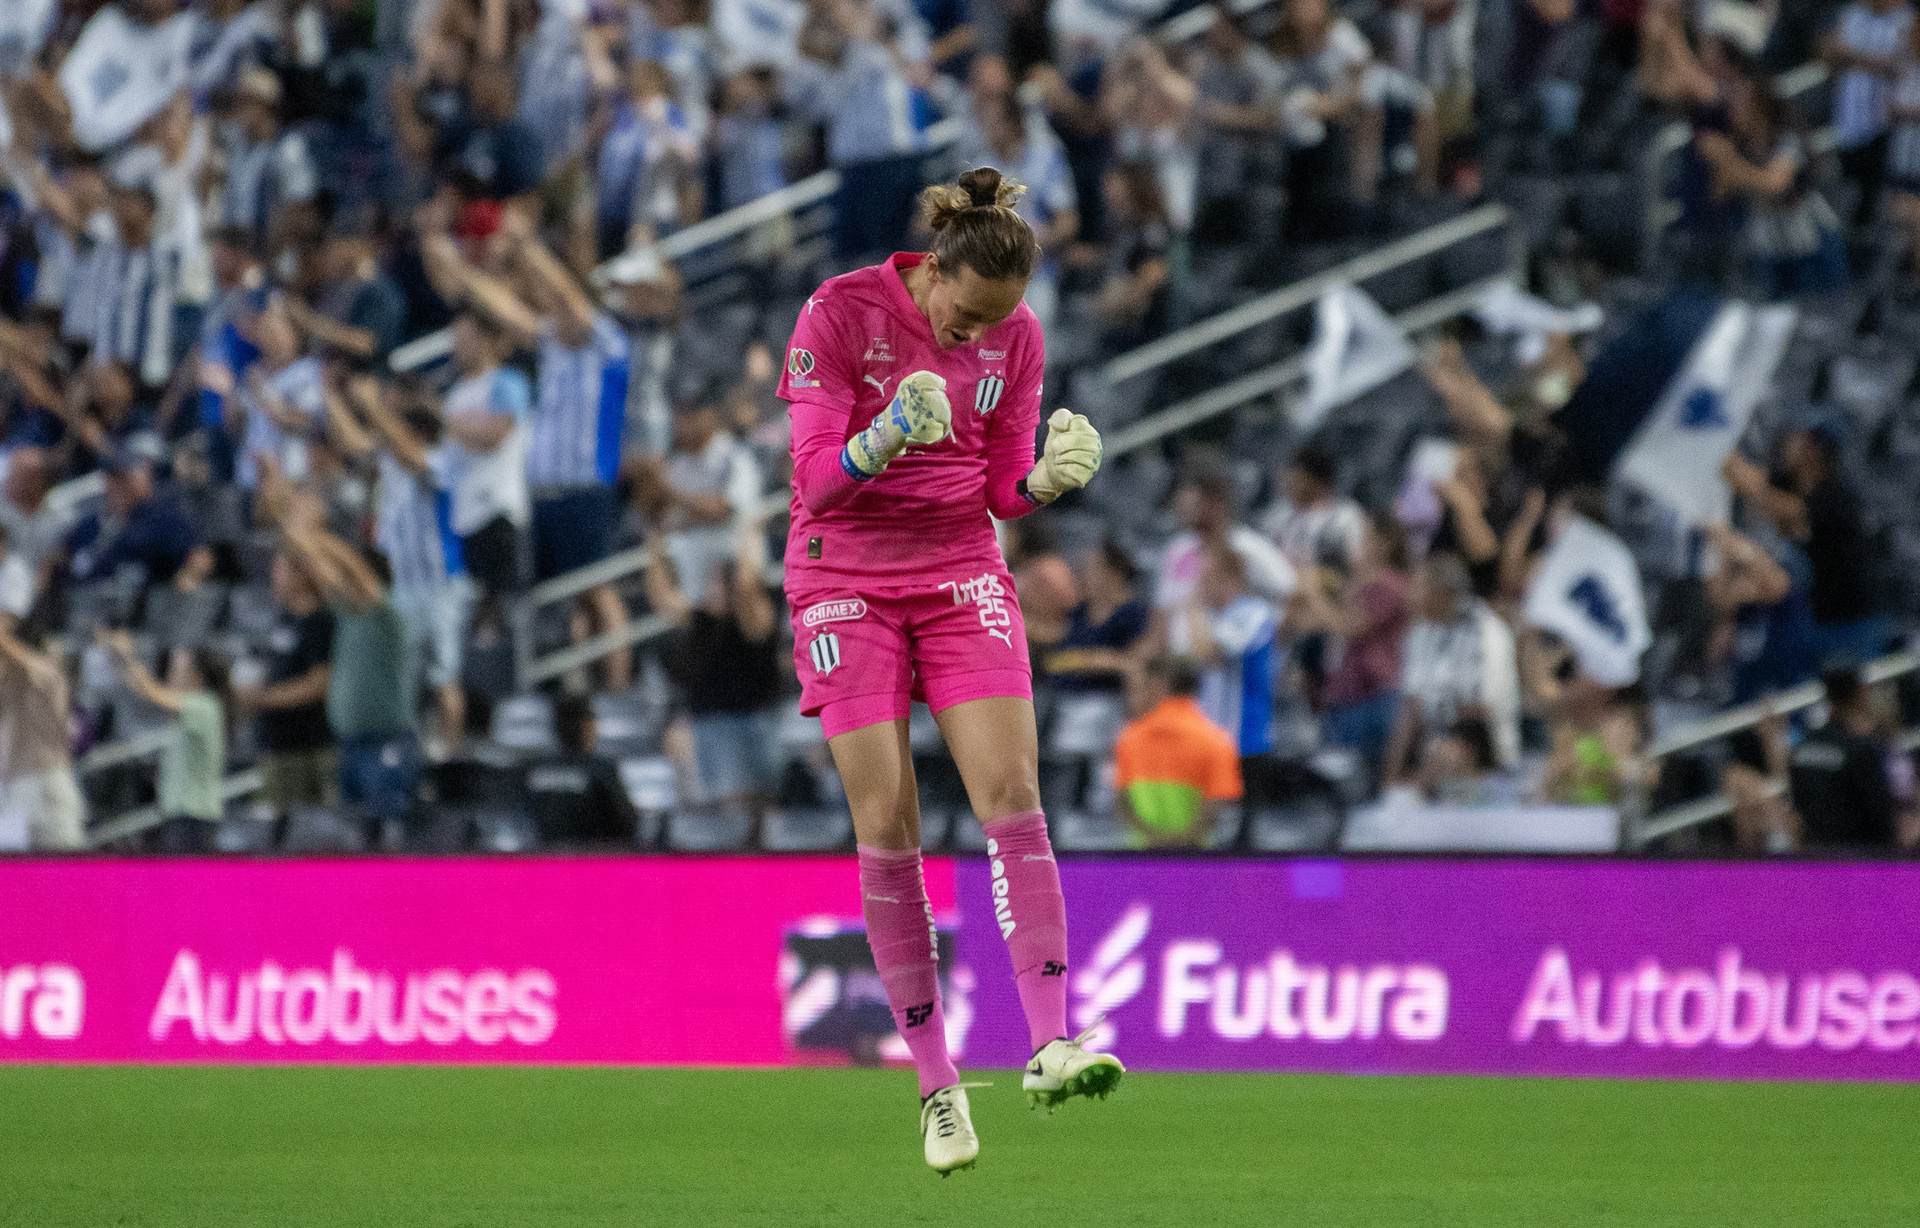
{"type": "Point", "coordinates": [927, 516]}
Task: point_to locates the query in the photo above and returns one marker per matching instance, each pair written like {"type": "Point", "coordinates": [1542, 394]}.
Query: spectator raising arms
{"type": "Point", "coordinates": [1812, 502]}
{"type": "Point", "coordinates": [289, 704]}
{"type": "Point", "coordinates": [369, 708]}
{"type": "Point", "coordinates": [1204, 506]}
{"type": "Point", "coordinates": [193, 765]}
{"type": "Point", "coordinates": [1865, 47]}
{"type": "Point", "coordinates": [38, 794]}
{"type": "Point", "coordinates": [485, 413]}
{"type": "Point", "coordinates": [1107, 630]}
{"type": "Point", "coordinates": [727, 667]}
{"type": "Point", "coordinates": [1370, 619]}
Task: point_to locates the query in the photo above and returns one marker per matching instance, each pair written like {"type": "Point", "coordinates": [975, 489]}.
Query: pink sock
{"type": "Point", "coordinates": [1033, 919]}
{"type": "Point", "coordinates": [900, 931]}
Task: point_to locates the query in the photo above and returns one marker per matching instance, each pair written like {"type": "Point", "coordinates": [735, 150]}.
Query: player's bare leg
{"type": "Point", "coordinates": [997, 748]}
{"type": "Point", "coordinates": [876, 766]}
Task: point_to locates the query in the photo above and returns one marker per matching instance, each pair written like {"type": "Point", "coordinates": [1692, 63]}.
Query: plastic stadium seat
{"type": "Point", "coordinates": [315, 829]}
{"type": "Point", "coordinates": [624, 724]}
{"type": "Point", "coordinates": [1226, 833]}
{"type": "Point", "coordinates": [226, 517]}
{"type": "Point", "coordinates": [250, 612]}
{"type": "Point", "coordinates": [807, 831]}
{"type": "Point", "coordinates": [799, 733]}
{"type": "Point", "coordinates": [443, 829]}
{"type": "Point", "coordinates": [504, 831]}
{"type": "Point", "coordinates": [524, 722]}
{"type": "Point", "coordinates": [654, 790]}
{"type": "Point", "coordinates": [923, 734]}
{"type": "Point", "coordinates": [1311, 823]}
{"type": "Point", "coordinates": [935, 827]}
{"type": "Point", "coordinates": [967, 836]}
{"type": "Point", "coordinates": [1344, 770]}
{"type": "Point", "coordinates": [256, 556]}
{"type": "Point", "coordinates": [246, 827]}
{"type": "Point", "coordinates": [1086, 724]}
{"type": "Point", "coordinates": [1075, 831]}
{"type": "Point", "coordinates": [183, 620]}
{"type": "Point", "coordinates": [715, 830]}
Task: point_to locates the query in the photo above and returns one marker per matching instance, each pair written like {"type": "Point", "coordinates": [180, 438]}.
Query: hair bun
{"type": "Point", "coordinates": [974, 225]}
{"type": "Point", "coordinates": [982, 186]}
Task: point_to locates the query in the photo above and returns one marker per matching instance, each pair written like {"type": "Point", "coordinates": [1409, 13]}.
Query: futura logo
{"type": "Point", "coordinates": [1113, 976]}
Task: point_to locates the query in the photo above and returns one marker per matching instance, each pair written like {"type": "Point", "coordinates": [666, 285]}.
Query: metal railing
{"type": "Point", "coordinates": [531, 669]}
{"type": "Point", "coordinates": [127, 750]}
{"type": "Point", "coordinates": [133, 822]}
{"type": "Point", "coordinates": [1639, 833]}
{"type": "Point", "coordinates": [132, 749]}
{"type": "Point", "coordinates": [1255, 312]}
{"type": "Point", "coordinates": [1271, 379]}
{"type": "Point", "coordinates": [1197, 21]}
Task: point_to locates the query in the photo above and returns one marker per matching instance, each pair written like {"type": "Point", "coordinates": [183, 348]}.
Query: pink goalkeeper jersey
{"type": "Point", "coordinates": [926, 517]}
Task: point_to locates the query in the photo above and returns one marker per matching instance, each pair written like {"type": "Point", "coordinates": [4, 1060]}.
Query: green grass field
{"type": "Point", "coordinates": [429, 1148]}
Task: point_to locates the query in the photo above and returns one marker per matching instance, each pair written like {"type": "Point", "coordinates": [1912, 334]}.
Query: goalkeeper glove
{"type": "Point", "coordinates": [919, 414]}
{"type": "Point", "coordinates": [1068, 461]}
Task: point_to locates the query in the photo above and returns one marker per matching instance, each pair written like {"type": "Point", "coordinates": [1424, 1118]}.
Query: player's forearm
{"type": "Point", "coordinates": [819, 438]}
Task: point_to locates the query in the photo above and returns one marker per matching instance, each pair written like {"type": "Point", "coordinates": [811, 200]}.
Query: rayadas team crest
{"type": "Point", "coordinates": [986, 394]}
{"type": "Point", "coordinates": [825, 651]}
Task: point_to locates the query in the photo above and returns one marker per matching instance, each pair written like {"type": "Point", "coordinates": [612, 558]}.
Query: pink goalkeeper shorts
{"type": "Point", "coordinates": [863, 655]}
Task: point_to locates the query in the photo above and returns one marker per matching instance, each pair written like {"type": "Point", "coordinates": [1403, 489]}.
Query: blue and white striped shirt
{"type": "Point", "coordinates": [413, 523]}
{"type": "Point", "coordinates": [298, 385]}
{"type": "Point", "coordinates": [582, 406]}
{"type": "Point", "coordinates": [1861, 98]}
{"type": "Point", "coordinates": [91, 281]}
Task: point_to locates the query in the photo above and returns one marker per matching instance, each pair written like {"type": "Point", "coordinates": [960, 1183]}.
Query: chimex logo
{"type": "Point", "coordinates": [49, 1002]}
{"type": "Point", "coordinates": [834, 612]}
{"type": "Point", "coordinates": [351, 1005]}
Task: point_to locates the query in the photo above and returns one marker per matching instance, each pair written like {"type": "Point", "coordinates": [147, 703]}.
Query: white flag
{"type": "Point", "coordinates": [1587, 591]}
{"type": "Point", "coordinates": [1507, 310]}
{"type": "Point", "coordinates": [23, 28]}
{"type": "Point", "coordinates": [1675, 456]}
{"type": "Point", "coordinates": [1356, 348]}
{"type": "Point", "coordinates": [120, 74]}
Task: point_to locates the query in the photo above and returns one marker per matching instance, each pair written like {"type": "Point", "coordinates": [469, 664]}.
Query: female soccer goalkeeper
{"type": "Point", "coordinates": [915, 394]}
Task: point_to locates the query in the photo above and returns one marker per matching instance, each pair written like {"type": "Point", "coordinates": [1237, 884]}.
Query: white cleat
{"type": "Point", "coordinates": [946, 1125]}
{"type": "Point", "coordinates": [1063, 1069]}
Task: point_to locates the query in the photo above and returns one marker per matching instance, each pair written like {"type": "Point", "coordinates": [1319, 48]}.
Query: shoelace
{"type": "Point", "coordinates": [1091, 1029]}
{"type": "Point", "coordinates": [944, 1118]}
{"type": "Point", "coordinates": [1078, 1041]}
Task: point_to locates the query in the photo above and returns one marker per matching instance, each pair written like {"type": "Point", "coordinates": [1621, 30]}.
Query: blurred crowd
{"type": "Point", "coordinates": [330, 330]}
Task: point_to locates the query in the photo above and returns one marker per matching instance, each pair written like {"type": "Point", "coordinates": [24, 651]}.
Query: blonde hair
{"type": "Point", "coordinates": [974, 226]}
